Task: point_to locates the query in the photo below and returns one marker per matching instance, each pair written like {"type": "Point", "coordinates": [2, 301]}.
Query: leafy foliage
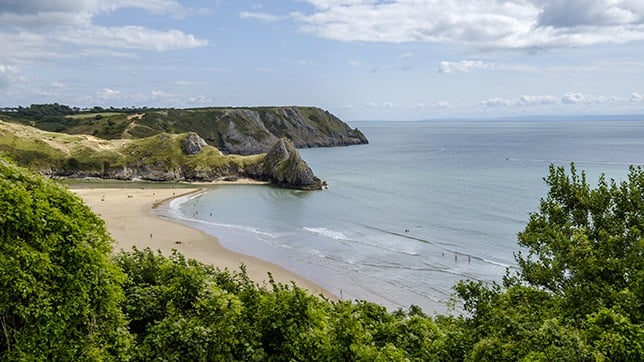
{"type": "Point", "coordinates": [587, 244]}
{"type": "Point", "coordinates": [577, 296]}
{"type": "Point", "coordinates": [40, 111]}
{"type": "Point", "coordinates": [182, 309]}
{"type": "Point", "coordinates": [59, 291]}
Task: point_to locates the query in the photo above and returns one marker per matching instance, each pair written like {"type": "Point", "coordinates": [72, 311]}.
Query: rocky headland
{"type": "Point", "coordinates": [284, 167]}
{"type": "Point", "coordinates": [232, 130]}
{"type": "Point", "coordinates": [178, 145]}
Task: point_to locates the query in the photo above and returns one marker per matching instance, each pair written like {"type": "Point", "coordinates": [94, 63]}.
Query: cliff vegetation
{"type": "Point", "coordinates": [231, 130]}
{"type": "Point", "coordinates": [161, 157]}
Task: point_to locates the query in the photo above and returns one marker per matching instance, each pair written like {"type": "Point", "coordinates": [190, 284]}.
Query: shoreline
{"type": "Point", "coordinates": [127, 212]}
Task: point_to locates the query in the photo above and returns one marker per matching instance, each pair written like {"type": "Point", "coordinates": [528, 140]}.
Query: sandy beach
{"type": "Point", "coordinates": [128, 215]}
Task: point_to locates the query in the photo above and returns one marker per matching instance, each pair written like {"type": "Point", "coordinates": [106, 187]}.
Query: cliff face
{"type": "Point", "coordinates": [284, 167]}
{"type": "Point", "coordinates": [178, 144]}
{"type": "Point", "coordinates": [163, 157]}
{"type": "Point", "coordinates": [247, 131]}
{"type": "Point", "coordinates": [241, 131]}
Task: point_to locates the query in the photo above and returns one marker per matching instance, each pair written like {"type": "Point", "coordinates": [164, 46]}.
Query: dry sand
{"type": "Point", "coordinates": [128, 215]}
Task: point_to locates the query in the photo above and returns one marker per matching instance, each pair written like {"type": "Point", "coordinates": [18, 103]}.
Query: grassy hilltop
{"type": "Point", "coordinates": [231, 130]}
{"type": "Point", "coordinates": [64, 154]}
{"type": "Point", "coordinates": [162, 157]}
{"type": "Point", "coordinates": [172, 144]}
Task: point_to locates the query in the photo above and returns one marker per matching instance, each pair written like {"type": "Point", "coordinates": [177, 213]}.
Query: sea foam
{"type": "Point", "coordinates": [322, 231]}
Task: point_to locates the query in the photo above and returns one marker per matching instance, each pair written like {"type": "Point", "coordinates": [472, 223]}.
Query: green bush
{"type": "Point", "coordinates": [63, 298]}
{"type": "Point", "coordinates": [59, 290]}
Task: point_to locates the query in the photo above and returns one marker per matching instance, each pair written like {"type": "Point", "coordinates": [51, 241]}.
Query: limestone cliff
{"type": "Point", "coordinates": [247, 131]}
{"type": "Point", "coordinates": [232, 130]}
{"type": "Point", "coordinates": [162, 157]}
{"type": "Point", "coordinates": [284, 167]}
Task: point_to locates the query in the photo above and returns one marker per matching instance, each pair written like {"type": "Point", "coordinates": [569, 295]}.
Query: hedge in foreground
{"type": "Point", "coordinates": [576, 297]}
{"type": "Point", "coordinates": [60, 292]}
{"type": "Point", "coordinates": [183, 310]}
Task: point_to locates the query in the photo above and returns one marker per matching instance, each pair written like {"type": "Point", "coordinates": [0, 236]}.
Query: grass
{"type": "Point", "coordinates": [43, 150]}
{"type": "Point", "coordinates": [93, 115]}
{"type": "Point", "coordinates": [305, 126]}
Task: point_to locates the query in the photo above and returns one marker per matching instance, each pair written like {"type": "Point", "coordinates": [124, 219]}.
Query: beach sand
{"type": "Point", "coordinates": [128, 215]}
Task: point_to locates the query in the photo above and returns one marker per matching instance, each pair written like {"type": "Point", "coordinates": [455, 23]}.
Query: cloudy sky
{"type": "Point", "coordinates": [360, 59]}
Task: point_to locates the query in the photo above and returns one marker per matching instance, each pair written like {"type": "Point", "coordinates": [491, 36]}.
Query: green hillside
{"type": "Point", "coordinates": [161, 157]}
{"type": "Point", "coordinates": [231, 130]}
{"type": "Point", "coordinates": [82, 155]}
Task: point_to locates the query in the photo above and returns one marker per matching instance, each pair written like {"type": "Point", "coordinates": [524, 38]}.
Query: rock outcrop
{"type": "Point", "coordinates": [284, 167]}
{"type": "Point", "coordinates": [192, 144]}
{"type": "Point", "coordinates": [162, 157]}
{"type": "Point", "coordinates": [246, 131]}
{"type": "Point", "coordinates": [232, 130]}
{"type": "Point", "coordinates": [202, 144]}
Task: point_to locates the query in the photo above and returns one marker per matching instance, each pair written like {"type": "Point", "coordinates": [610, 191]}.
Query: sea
{"type": "Point", "coordinates": [424, 205]}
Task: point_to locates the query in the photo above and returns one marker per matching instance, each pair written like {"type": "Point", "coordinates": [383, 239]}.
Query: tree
{"type": "Point", "coordinates": [586, 245]}
{"type": "Point", "coordinates": [578, 293]}
{"type": "Point", "coordinates": [59, 291]}
{"type": "Point", "coordinates": [176, 309]}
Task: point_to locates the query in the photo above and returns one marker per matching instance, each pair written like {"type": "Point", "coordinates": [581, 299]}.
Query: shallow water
{"type": "Point", "coordinates": [424, 205]}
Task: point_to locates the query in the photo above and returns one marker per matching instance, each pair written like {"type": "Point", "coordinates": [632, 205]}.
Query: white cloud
{"type": "Point", "coordinates": [527, 100]}
{"type": "Point", "coordinates": [111, 97]}
{"type": "Point", "coordinates": [9, 75]}
{"type": "Point", "coordinates": [570, 98]}
{"type": "Point", "coordinates": [575, 13]}
{"type": "Point", "coordinates": [35, 29]}
{"type": "Point", "coordinates": [406, 56]}
{"type": "Point", "coordinates": [184, 83]}
{"type": "Point", "coordinates": [131, 37]}
{"type": "Point", "coordinates": [108, 94]}
{"type": "Point", "coordinates": [613, 66]}
{"type": "Point", "coordinates": [200, 100]}
{"type": "Point", "coordinates": [46, 14]}
{"type": "Point", "coordinates": [499, 102]}
{"type": "Point", "coordinates": [637, 97]}
{"type": "Point", "coordinates": [513, 24]}
{"type": "Point", "coordinates": [579, 98]}
{"type": "Point", "coordinates": [260, 16]}
{"type": "Point", "coordinates": [327, 4]}
{"type": "Point", "coordinates": [463, 66]}
{"type": "Point", "coordinates": [443, 105]}
{"type": "Point", "coordinates": [22, 47]}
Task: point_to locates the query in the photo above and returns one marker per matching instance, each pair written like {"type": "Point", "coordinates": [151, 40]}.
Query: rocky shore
{"type": "Point", "coordinates": [282, 166]}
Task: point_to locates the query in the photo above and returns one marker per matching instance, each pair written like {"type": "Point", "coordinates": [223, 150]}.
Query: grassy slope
{"type": "Point", "coordinates": [207, 122]}
{"type": "Point", "coordinates": [43, 150]}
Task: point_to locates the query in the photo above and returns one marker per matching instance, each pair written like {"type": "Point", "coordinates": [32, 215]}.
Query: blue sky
{"type": "Point", "coordinates": [360, 59]}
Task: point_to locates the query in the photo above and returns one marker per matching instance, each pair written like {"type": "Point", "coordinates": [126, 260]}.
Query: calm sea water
{"type": "Point", "coordinates": [424, 205]}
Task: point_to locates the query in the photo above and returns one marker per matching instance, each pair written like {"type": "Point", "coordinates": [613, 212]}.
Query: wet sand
{"type": "Point", "coordinates": [128, 215]}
